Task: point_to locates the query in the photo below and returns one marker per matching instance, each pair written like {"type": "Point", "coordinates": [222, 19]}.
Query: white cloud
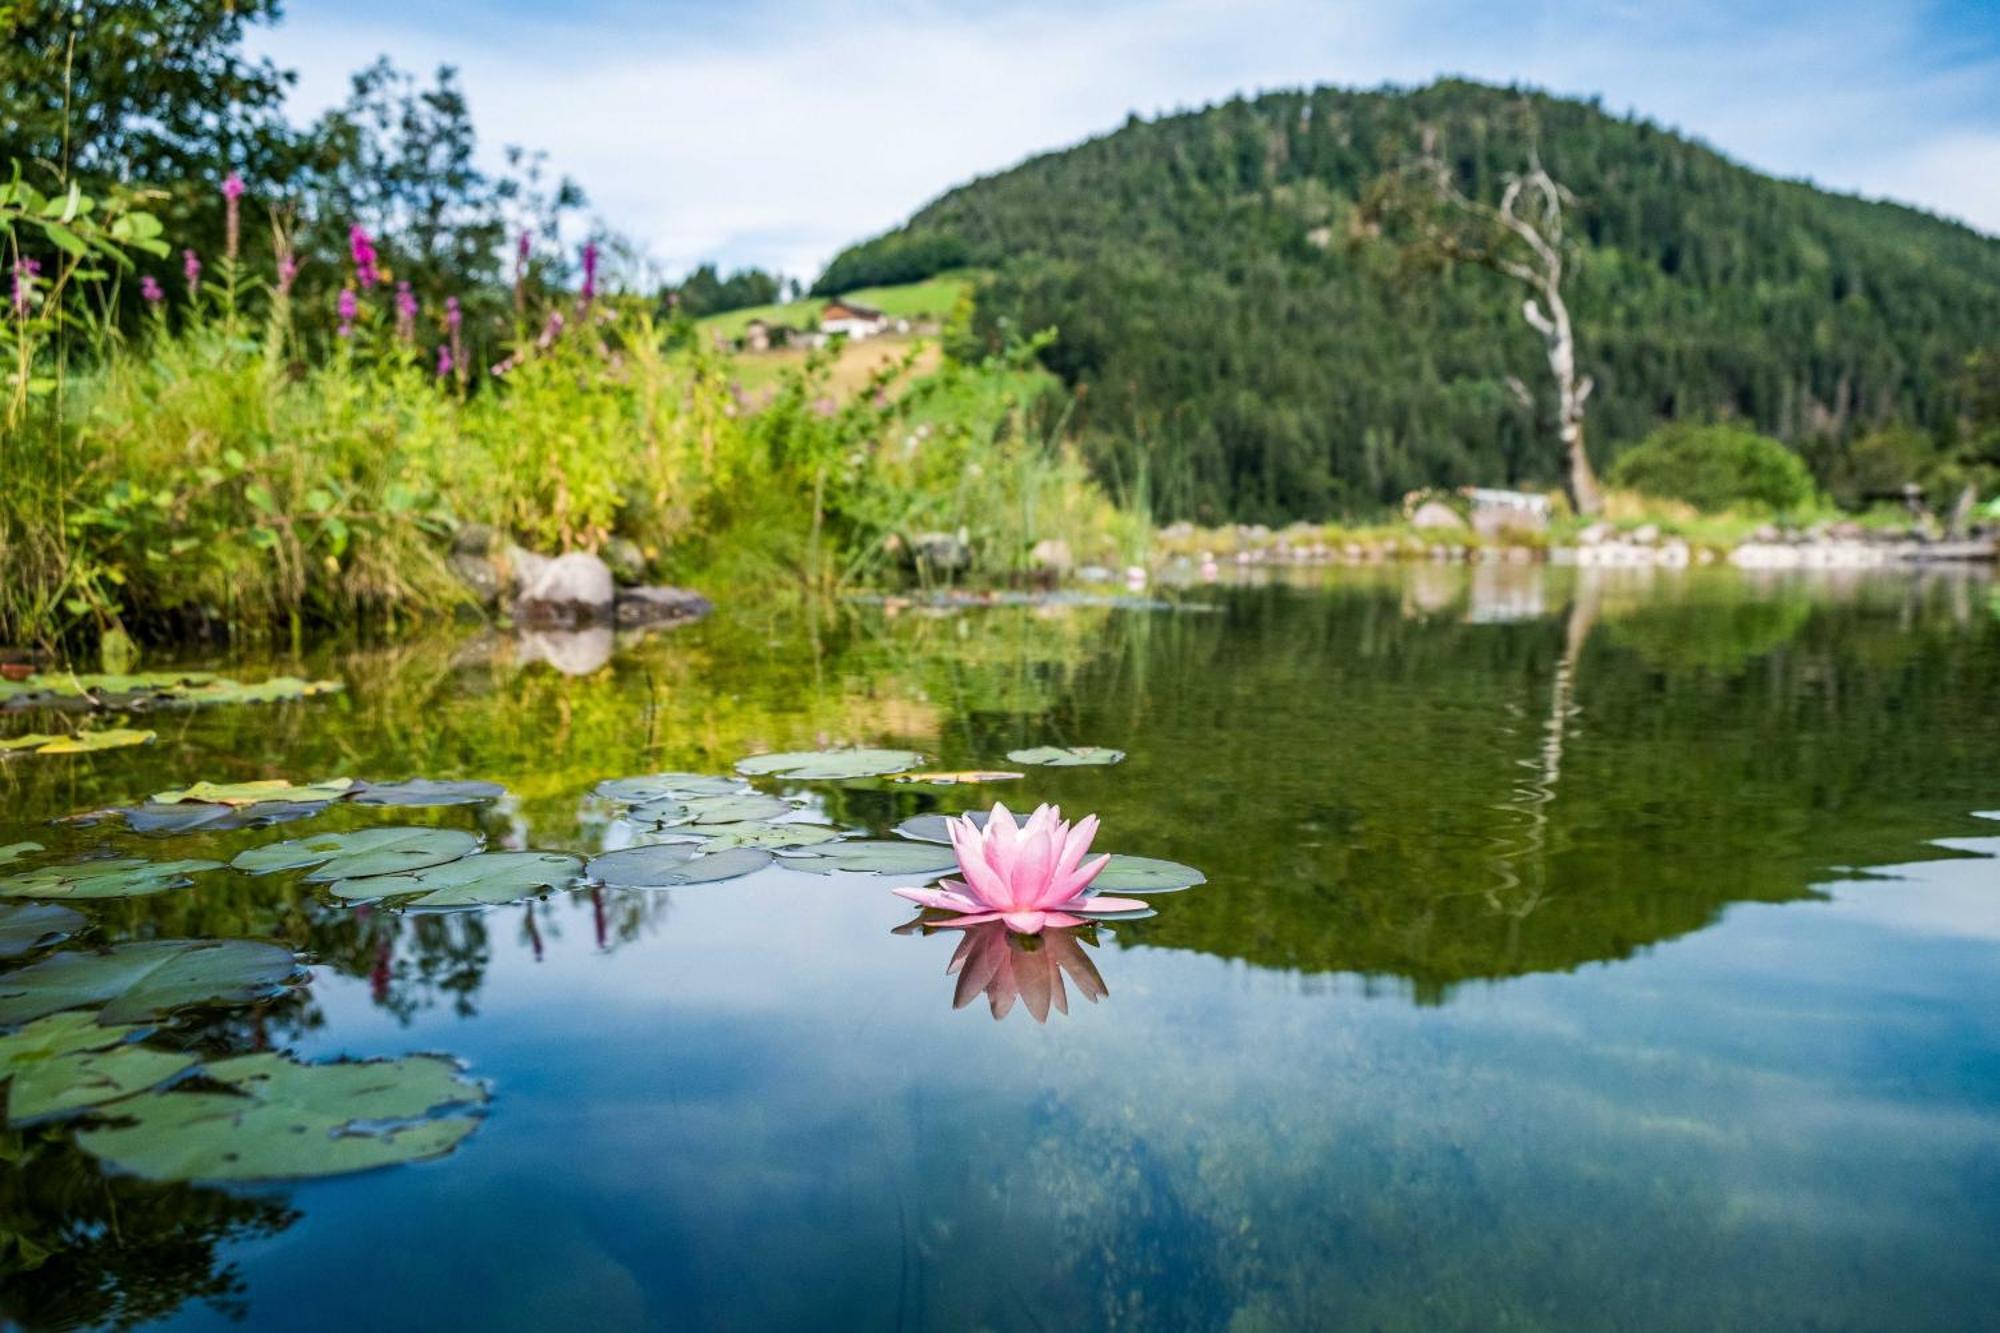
{"type": "Point", "coordinates": [777, 142]}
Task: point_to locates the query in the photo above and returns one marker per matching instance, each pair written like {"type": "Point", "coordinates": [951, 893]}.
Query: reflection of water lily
{"type": "Point", "coordinates": [1005, 967]}
{"type": "Point", "coordinates": [1027, 876]}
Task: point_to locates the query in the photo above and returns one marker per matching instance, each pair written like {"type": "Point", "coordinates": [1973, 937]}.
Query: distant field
{"type": "Point", "coordinates": [931, 299]}
{"type": "Point", "coordinates": [851, 371]}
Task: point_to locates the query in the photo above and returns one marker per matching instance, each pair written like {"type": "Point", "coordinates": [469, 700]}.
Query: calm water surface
{"type": "Point", "coordinates": [1610, 952]}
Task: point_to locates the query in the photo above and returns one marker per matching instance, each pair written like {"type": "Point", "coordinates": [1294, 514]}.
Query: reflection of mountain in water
{"type": "Point", "coordinates": [1384, 791]}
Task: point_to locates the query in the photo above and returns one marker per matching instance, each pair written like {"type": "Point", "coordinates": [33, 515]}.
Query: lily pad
{"type": "Point", "coordinates": [960, 778]}
{"type": "Point", "coordinates": [169, 819]}
{"type": "Point", "coordinates": [878, 856]}
{"type": "Point", "coordinates": [425, 791]}
{"type": "Point", "coordinates": [278, 689]}
{"type": "Point", "coordinates": [25, 927]}
{"type": "Point", "coordinates": [358, 854]}
{"type": "Point", "coordinates": [152, 689]}
{"type": "Point", "coordinates": [805, 765]}
{"type": "Point", "coordinates": [14, 851]}
{"type": "Point", "coordinates": [120, 877]}
{"type": "Point", "coordinates": [1065, 756]}
{"type": "Point", "coordinates": [1145, 874]}
{"type": "Point", "coordinates": [669, 865]}
{"type": "Point", "coordinates": [732, 809]}
{"type": "Point", "coordinates": [484, 879]}
{"type": "Point", "coordinates": [632, 791]}
{"type": "Point", "coordinates": [658, 813]}
{"type": "Point", "coordinates": [932, 828]}
{"type": "Point", "coordinates": [83, 742]}
{"type": "Point", "coordinates": [255, 793]}
{"type": "Point", "coordinates": [285, 1120]}
{"type": "Point", "coordinates": [67, 1062]}
{"type": "Point", "coordinates": [147, 978]}
{"type": "Point", "coordinates": [778, 837]}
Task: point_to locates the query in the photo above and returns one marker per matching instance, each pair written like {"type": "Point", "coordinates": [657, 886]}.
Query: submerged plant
{"type": "Point", "coordinates": [1028, 876]}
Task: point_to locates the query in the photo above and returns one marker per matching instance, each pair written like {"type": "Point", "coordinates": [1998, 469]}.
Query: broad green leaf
{"type": "Point", "coordinates": [659, 813]}
{"type": "Point", "coordinates": [57, 1035]}
{"type": "Point", "coordinates": [66, 1062]}
{"type": "Point", "coordinates": [120, 877]}
{"type": "Point", "coordinates": [959, 777]}
{"type": "Point", "coordinates": [358, 854]}
{"type": "Point", "coordinates": [14, 851]}
{"type": "Point", "coordinates": [877, 856]}
{"type": "Point", "coordinates": [253, 793]}
{"type": "Point", "coordinates": [778, 837]}
{"type": "Point", "coordinates": [808, 765]}
{"type": "Point", "coordinates": [154, 818]}
{"type": "Point", "coordinates": [1145, 874]}
{"type": "Point", "coordinates": [653, 787]}
{"type": "Point", "coordinates": [288, 1120]}
{"type": "Point", "coordinates": [732, 809]}
{"type": "Point", "coordinates": [668, 865]}
{"type": "Point", "coordinates": [932, 828]}
{"type": "Point", "coordinates": [484, 879]}
{"type": "Point", "coordinates": [87, 742]}
{"type": "Point", "coordinates": [64, 239]}
{"type": "Point", "coordinates": [25, 927]}
{"type": "Point", "coordinates": [1065, 756]}
{"type": "Point", "coordinates": [147, 978]}
{"type": "Point", "coordinates": [425, 791]}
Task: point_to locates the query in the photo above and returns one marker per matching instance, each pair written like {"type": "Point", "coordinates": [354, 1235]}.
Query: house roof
{"type": "Point", "coordinates": [852, 308]}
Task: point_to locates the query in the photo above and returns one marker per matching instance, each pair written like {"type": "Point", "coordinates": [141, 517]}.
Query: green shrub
{"type": "Point", "coordinates": [1715, 468]}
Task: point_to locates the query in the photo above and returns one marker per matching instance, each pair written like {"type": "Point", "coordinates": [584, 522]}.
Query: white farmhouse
{"type": "Point", "coordinates": [852, 318]}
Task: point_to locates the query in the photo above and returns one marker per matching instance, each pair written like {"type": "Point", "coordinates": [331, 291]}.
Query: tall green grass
{"type": "Point", "coordinates": [209, 473]}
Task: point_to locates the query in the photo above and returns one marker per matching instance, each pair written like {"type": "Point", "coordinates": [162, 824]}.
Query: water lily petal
{"type": "Point", "coordinates": [985, 884]}
{"type": "Point", "coordinates": [1024, 923]}
{"type": "Point", "coordinates": [1103, 903]}
{"type": "Point", "coordinates": [1080, 878]}
{"type": "Point", "coordinates": [944, 900]}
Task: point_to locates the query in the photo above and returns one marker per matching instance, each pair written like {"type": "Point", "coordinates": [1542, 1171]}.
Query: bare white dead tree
{"type": "Point", "coordinates": [1531, 209]}
{"type": "Point", "coordinates": [1520, 238]}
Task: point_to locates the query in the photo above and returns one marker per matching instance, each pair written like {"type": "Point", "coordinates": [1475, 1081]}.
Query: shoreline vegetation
{"type": "Point", "coordinates": [220, 472]}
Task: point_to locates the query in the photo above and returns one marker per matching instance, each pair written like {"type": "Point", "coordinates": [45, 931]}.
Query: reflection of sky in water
{"type": "Point", "coordinates": [766, 1112]}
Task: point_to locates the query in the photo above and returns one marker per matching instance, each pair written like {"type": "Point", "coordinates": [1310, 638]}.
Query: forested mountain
{"type": "Point", "coordinates": [1239, 326]}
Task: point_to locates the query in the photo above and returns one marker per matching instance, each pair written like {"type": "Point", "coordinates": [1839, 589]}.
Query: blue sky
{"type": "Point", "coordinates": [773, 133]}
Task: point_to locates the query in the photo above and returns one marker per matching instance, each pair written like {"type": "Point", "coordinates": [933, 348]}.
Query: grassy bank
{"type": "Point", "coordinates": [216, 471]}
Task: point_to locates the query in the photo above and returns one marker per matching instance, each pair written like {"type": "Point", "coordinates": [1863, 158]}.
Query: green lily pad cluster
{"type": "Point", "coordinates": [147, 979]}
{"type": "Point", "coordinates": [82, 742]}
{"type": "Point", "coordinates": [708, 829]}
{"type": "Point", "coordinates": [248, 1117]}
{"type": "Point", "coordinates": [218, 806]}
{"type": "Point", "coordinates": [113, 877]}
{"type": "Point", "coordinates": [1066, 756]}
{"type": "Point", "coordinates": [829, 765]}
{"type": "Point", "coordinates": [275, 1118]}
{"type": "Point", "coordinates": [421, 867]}
{"type": "Point", "coordinates": [153, 689]}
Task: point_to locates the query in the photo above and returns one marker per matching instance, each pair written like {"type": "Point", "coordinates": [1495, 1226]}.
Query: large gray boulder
{"type": "Point", "coordinates": [564, 593]}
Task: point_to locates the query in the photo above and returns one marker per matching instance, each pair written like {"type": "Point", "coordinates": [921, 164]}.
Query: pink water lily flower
{"type": "Point", "coordinates": [1027, 876]}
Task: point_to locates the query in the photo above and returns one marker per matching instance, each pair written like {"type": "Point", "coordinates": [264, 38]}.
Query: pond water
{"type": "Point", "coordinates": [1577, 950]}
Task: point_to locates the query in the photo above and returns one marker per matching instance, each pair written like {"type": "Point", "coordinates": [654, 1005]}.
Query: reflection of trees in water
{"type": "Point", "coordinates": [1367, 765]}
{"type": "Point", "coordinates": [80, 1246]}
